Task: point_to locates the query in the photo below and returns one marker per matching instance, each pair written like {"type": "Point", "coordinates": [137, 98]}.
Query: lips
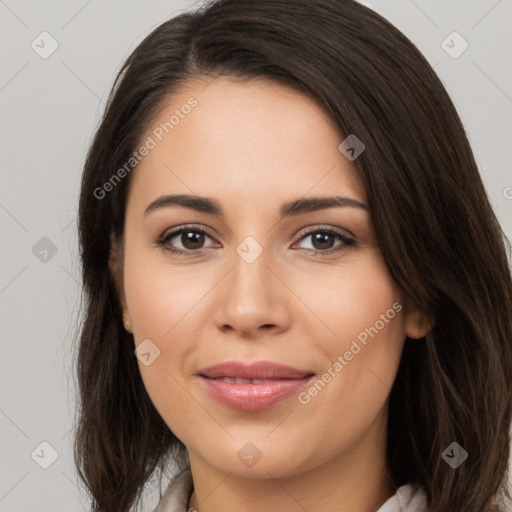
{"type": "Point", "coordinates": [253, 387]}
{"type": "Point", "coordinates": [233, 380]}
{"type": "Point", "coordinates": [259, 370]}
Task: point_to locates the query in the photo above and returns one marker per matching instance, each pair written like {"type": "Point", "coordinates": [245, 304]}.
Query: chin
{"type": "Point", "coordinates": [261, 460]}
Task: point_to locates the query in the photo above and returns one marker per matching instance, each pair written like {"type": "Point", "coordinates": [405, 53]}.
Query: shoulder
{"type": "Point", "coordinates": [408, 498]}
{"type": "Point", "coordinates": [177, 494]}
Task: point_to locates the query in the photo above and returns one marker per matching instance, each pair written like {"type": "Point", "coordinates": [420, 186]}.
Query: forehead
{"type": "Point", "coordinates": [256, 140]}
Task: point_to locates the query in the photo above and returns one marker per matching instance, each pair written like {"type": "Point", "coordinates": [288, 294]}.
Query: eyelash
{"type": "Point", "coordinates": [165, 238]}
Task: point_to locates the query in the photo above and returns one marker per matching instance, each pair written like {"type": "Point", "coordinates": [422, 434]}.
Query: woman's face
{"type": "Point", "coordinates": [305, 287]}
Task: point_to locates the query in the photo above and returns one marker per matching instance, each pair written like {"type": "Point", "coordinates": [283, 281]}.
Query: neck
{"type": "Point", "coordinates": [355, 481]}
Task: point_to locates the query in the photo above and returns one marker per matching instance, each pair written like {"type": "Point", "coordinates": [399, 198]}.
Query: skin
{"type": "Point", "coordinates": [252, 146]}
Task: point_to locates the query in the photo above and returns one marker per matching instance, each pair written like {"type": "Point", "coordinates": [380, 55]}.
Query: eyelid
{"type": "Point", "coordinates": [322, 227]}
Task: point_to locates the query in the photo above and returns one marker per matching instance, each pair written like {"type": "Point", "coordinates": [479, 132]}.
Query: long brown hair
{"type": "Point", "coordinates": [434, 224]}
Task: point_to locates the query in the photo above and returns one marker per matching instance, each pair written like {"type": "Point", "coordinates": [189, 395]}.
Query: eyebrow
{"type": "Point", "coordinates": [213, 207]}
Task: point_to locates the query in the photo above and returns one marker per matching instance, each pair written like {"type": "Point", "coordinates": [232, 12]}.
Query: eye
{"type": "Point", "coordinates": [191, 239]}
{"type": "Point", "coordinates": [322, 240]}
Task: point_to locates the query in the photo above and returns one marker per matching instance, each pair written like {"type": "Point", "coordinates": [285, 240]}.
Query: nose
{"type": "Point", "coordinates": [252, 299]}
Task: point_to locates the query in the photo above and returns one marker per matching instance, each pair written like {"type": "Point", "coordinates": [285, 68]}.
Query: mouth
{"type": "Point", "coordinates": [234, 380]}
{"type": "Point", "coordinates": [253, 387]}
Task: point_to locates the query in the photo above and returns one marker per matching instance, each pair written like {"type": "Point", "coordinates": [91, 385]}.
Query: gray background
{"type": "Point", "coordinates": [49, 109]}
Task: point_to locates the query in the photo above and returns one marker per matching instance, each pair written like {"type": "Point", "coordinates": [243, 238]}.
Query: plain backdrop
{"type": "Point", "coordinates": [49, 110]}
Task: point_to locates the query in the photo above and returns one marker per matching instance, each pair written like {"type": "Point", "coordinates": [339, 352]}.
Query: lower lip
{"type": "Point", "coordinates": [253, 397]}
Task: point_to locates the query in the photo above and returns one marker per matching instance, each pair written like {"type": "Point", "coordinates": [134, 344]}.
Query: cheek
{"type": "Point", "coordinates": [161, 297]}
{"type": "Point", "coordinates": [358, 328]}
{"type": "Point", "coordinates": [166, 306]}
{"type": "Point", "coordinates": [345, 300]}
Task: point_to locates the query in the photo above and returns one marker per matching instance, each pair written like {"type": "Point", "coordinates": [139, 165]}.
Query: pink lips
{"type": "Point", "coordinates": [253, 387]}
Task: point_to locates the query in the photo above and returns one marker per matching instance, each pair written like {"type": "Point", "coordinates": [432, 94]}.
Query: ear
{"type": "Point", "coordinates": [115, 264]}
{"type": "Point", "coordinates": [418, 322]}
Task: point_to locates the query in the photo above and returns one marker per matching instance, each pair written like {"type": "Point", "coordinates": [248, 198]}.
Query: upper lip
{"type": "Point", "coordinates": [257, 370]}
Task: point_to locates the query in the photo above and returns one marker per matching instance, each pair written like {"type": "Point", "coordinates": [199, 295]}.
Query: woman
{"type": "Point", "coordinates": [297, 290]}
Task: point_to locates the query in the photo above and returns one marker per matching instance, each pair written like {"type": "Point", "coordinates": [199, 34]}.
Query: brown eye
{"type": "Point", "coordinates": [191, 240]}
{"type": "Point", "coordinates": [323, 240]}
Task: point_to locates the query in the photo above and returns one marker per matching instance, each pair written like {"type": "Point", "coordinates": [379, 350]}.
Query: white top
{"type": "Point", "coordinates": [175, 499]}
